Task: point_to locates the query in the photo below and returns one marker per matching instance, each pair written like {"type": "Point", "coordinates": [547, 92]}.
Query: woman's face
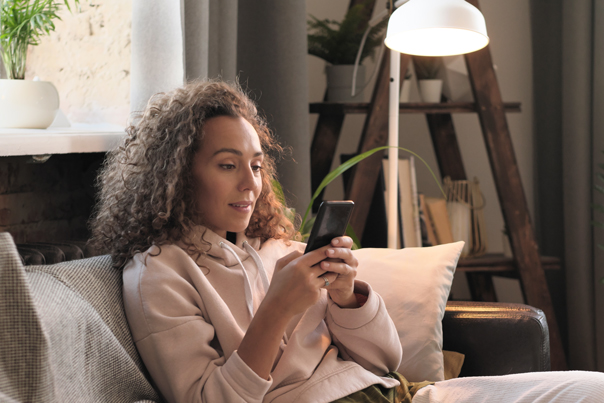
{"type": "Point", "coordinates": [227, 174]}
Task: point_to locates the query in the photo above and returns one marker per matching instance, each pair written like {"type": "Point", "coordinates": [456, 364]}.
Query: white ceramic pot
{"type": "Point", "coordinates": [27, 104]}
{"type": "Point", "coordinates": [339, 83]}
{"type": "Point", "coordinates": [405, 91]}
{"type": "Point", "coordinates": [431, 89]}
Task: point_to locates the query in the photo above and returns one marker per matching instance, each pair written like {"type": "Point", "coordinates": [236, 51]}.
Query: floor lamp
{"type": "Point", "coordinates": [423, 28]}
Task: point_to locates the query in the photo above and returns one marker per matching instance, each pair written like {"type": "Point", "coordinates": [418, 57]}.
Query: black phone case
{"type": "Point", "coordinates": [331, 222]}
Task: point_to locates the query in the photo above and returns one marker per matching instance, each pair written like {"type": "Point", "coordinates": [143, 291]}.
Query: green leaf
{"type": "Point", "coordinates": [306, 228]}
{"type": "Point", "coordinates": [337, 172]}
{"type": "Point", "coordinates": [278, 191]}
{"type": "Point", "coordinates": [338, 42]}
{"type": "Point", "coordinates": [22, 23]}
{"type": "Point", "coordinates": [356, 244]}
{"type": "Point", "coordinates": [352, 162]}
{"type": "Point", "coordinates": [598, 207]}
{"type": "Point", "coordinates": [597, 224]}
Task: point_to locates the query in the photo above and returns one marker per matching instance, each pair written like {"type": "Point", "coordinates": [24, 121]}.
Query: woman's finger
{"type": "Point", "coordinates": [325, 280]}
{"type": "Point", "coordinates": [339, 268]}
{"type": "Point", "coordinates": [342, 242]}
{"type": "Point", "coordinates": [343, 254]}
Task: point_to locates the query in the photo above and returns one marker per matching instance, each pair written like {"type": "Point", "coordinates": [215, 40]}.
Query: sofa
{"type": "Point", "coordinates": [64, 336]}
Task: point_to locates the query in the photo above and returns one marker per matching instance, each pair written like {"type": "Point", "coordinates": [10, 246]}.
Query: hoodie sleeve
{"type": "Point", "coordinates": [178, 346]}
{"type": "Point", "coordinates": [367, 334]}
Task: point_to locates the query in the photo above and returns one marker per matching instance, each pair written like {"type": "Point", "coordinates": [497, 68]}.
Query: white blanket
{"type": "Point", "coordinates": [533, 387]}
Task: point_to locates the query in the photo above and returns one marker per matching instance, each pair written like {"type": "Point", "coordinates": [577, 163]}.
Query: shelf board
{"type": "Point", "coordinates": [336, 108]}
{"type": "Point", "coordinates": [499, 264]}
{"type": "Point", "coordinates": [78, 138]}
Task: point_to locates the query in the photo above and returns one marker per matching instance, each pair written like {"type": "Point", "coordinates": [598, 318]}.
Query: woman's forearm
{"type": "Point", "coordinates": [260, 345]}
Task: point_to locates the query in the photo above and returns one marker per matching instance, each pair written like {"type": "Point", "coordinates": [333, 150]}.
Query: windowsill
{"type": "Point", "coordinates": [79, 138]}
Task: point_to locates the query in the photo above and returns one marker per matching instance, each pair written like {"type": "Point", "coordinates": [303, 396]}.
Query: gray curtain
{"type": "Point", "coordinates": [582, 125]}
{"type": "Point", "coordinates": [261, 42]}
{"type": "Point", "coordinates": [577, 130]}
{"type": "Point", "coordinates": [568, 50]}
{"type": "Point", "coordinates": [598, 161]}
{"type": "Point", "coordinates": [271, 60]}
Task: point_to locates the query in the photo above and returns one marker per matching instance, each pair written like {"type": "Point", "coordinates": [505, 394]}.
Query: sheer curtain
{"type": "Point", "coordinates": [262, 43]}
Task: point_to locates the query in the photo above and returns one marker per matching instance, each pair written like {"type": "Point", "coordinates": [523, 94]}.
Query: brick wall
{"type": "Point", "coordinates": [50, 201]}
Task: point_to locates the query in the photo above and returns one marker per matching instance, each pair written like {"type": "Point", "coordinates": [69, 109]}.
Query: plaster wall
{"type": "Point", "coordinates": [87, 58]}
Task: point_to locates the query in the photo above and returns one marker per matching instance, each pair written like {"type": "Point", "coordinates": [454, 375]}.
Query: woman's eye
{"type": "Point", "coordinates": [227, 166]}
{"type": "Point", "coordinates": [256, 168]}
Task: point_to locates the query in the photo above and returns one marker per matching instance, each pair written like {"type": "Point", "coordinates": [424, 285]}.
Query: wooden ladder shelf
{"type": "Point", "coordinates": [527, 264]}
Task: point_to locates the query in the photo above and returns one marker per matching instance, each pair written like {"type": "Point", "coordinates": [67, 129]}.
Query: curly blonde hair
{"type": "Point", "coordinates": [146, 189]}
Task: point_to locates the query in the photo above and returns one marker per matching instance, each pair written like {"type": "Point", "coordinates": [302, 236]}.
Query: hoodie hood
{"type": "Point", "coordinates": [208, 238]}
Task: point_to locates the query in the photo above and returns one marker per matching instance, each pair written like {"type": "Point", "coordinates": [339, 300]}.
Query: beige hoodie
{"type": "Point", "coordinates": [188, 319]}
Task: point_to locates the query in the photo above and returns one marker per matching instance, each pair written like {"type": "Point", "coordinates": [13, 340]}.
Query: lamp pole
{"type": "Point", "coordinates": [393, 124]}
{"type": "Point", "coordinates": [427, 28]}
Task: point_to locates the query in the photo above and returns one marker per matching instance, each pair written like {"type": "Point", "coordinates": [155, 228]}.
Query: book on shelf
{"type": "Point", "coordinates": [412, 236]}
{"type": "Point", "coordinates": [428, 235]}
{"type": "Point", "coordinates": [439, 217]}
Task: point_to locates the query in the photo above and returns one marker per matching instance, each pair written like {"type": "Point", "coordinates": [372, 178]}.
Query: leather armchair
{"type": "Point", "coordinates": [497, 338]}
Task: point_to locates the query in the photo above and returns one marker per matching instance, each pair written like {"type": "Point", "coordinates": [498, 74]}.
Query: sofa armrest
{"type": "Point", "coordinates": [497, 338]}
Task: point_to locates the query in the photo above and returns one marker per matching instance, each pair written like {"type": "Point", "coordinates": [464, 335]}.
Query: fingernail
{"type": "Point", "coordinates": [325, 264]}
{"type": "Point", "coordinates": [336, 241]}
{"type": "Point", "coordinates": [330, 251]}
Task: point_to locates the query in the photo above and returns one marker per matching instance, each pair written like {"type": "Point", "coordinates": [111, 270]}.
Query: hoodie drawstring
{"type": "Point", "coordinates": [256, 257]}
{"type": "Point", "coordinates": [249, 294]}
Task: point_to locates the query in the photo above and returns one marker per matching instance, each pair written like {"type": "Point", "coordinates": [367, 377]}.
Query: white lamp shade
{"type": "Point", "coordinates": [436, 28]}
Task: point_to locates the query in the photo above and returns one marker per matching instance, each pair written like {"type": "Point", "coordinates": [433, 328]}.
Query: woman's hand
{"type": "Point", "coordinates": [297, 282]}
{"type": "Point", "coordinates": [342, 263]}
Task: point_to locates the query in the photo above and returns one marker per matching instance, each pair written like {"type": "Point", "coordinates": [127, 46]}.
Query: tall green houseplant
{"type": "Point", "coordinates": [23, 23]}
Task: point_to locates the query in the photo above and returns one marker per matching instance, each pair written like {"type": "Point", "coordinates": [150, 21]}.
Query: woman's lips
{"type": "Point", "coordinates": [243, 207]}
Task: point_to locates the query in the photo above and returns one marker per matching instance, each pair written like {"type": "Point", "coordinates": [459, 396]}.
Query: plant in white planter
{"type": "Point", "coordinates": [26, 104]}
{"type": "Point", "coordinates": [427, 69]}
{"type": "Point", "coordinates": [338, 43]}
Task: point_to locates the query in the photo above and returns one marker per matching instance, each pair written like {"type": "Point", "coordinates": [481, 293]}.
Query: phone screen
{"type": "Point", "coordinates": [331, 222]}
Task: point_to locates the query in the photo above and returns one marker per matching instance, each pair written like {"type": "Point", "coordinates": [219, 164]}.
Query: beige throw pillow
{"type": "Point", "coordinates": [415, 285]}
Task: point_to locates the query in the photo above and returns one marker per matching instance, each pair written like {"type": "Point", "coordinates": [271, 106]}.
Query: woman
{"type": "Point", "coordinates": [222, 303]}
{"type": "Point", "coordinates": [188, 208]}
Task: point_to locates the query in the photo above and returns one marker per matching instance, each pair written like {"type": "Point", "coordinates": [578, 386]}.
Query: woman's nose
{"type": "Point", "coordinates": [247, 180]}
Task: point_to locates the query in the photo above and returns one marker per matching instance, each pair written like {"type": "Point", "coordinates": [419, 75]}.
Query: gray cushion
{"type": "Point", "coordinates": [64, 335]}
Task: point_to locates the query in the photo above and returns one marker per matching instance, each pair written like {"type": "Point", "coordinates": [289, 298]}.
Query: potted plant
{"type": "Point", "coordinates": [338, 43]}
{"type": "Point", "coordinates": [26, 104]}
{"type": "Point", "coordinates": [427, 70]}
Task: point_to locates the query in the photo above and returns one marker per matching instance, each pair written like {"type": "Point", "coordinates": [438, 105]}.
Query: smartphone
{"type": "Point", "coordinates": [331, 222]}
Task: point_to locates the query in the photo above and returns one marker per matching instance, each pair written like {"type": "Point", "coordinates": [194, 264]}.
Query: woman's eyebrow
{"type": "Point", "coordinates": [235, 151]}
